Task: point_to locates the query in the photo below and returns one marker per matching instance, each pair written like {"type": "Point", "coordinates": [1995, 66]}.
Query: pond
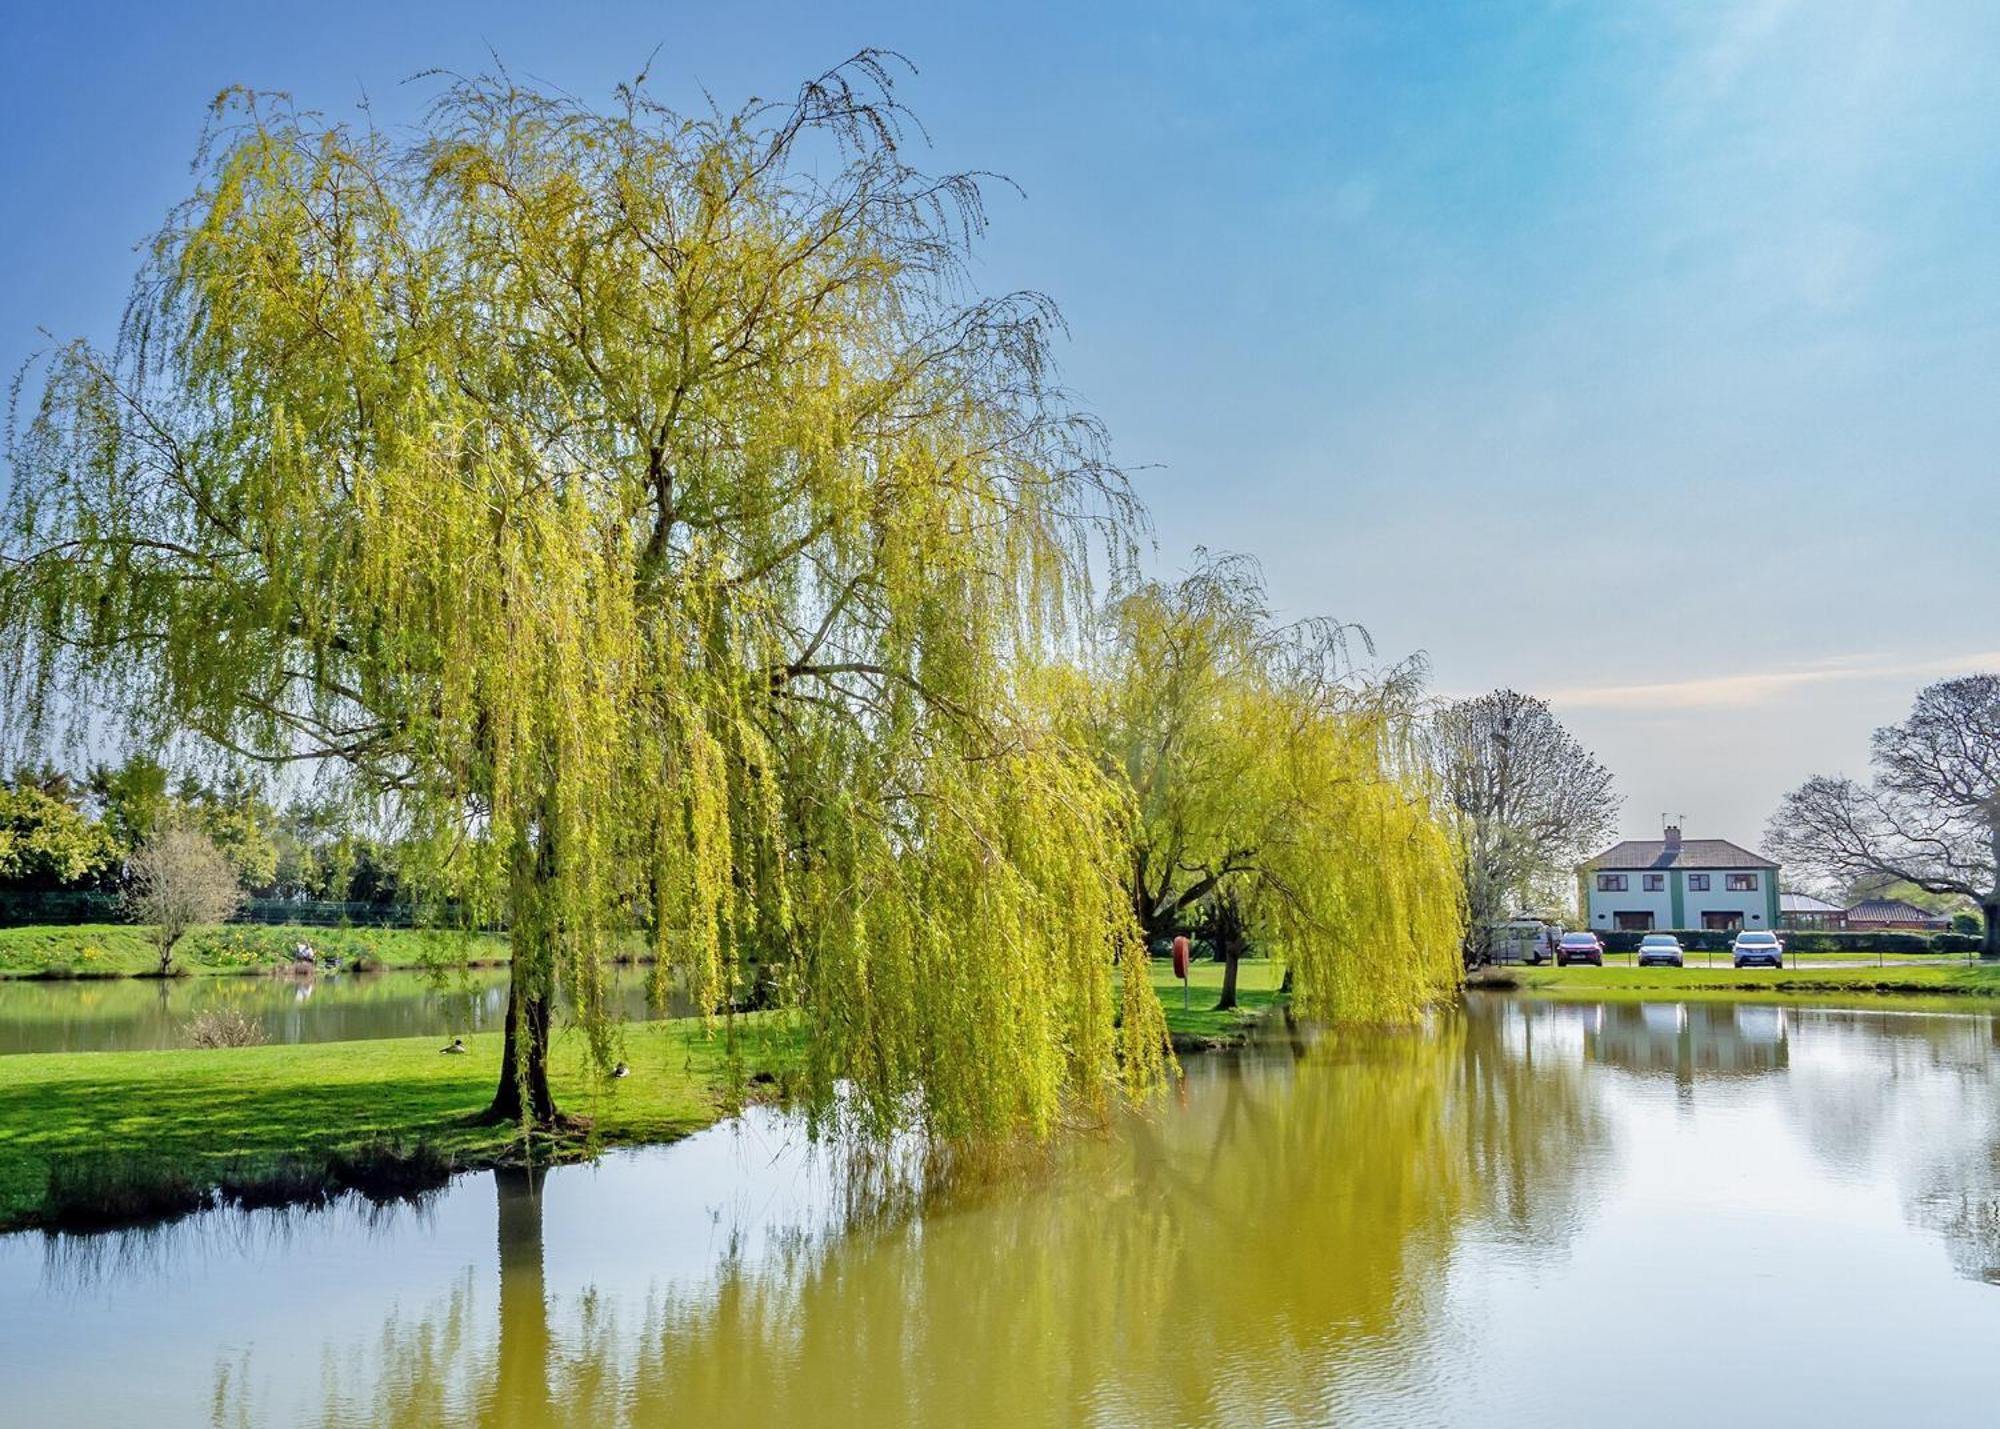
{"type": "Point", "coordinates": [1529, 1214]}
{"type": "Point", "coordinates": [144, 1014]}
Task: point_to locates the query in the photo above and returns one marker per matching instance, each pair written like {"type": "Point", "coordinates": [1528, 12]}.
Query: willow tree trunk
{"type": "Point", "coordinates": [1990, 946]}
{"type": "Point", "coordinates": [1232, 954]}
{"type": "Point", "coordinates": [523, 1092]}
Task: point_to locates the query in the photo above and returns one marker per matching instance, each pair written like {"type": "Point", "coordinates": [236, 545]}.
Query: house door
{"type": "Point", "coordinates": [1634, 922]}
{"type": "Point", "coordinates": [1722, 922]}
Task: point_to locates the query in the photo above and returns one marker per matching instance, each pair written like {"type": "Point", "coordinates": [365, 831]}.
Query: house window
{"type": "Point", "coordinates": [1697, 883]}
{"type": "Point", "coordinates": [1655, 882]}
{"type": "Point", "coordinates": [1610, 883]}
{"type": "Point", "coordinates": [1742, 883]}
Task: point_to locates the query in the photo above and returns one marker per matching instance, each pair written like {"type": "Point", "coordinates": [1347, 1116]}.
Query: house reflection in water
{"type": "Point", "coordinates": [1688, 1039]}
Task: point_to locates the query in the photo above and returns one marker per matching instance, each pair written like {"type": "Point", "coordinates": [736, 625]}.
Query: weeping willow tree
{"type": "Point", "coordinates": [645, 508]}
{"type": "Point", "coordinates": [1278, 794]}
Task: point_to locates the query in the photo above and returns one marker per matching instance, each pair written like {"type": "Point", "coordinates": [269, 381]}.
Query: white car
{"type": "Point", "coordinates": [1751, 948]}
{"type": "Point", "coordinates": [1661, 950]}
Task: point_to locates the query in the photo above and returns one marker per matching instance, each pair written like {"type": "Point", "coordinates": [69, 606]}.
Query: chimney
{"type": "Point", "coordinates": [1673, 838]}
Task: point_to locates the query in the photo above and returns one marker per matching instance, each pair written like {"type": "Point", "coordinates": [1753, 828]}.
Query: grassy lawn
{"type": "Point", "coordinates": [1257, 982]}
{"type": "Point", "coordinates": [1949, 981]}
{"type": "Point", "coordinates": [209, 1114]}
{"type": "Point", "coordinates": [123, 949]}
{"type": "Point", "coordinates": [1721, 958]}
{"type": "Point", "coordinates": [206, 1116]}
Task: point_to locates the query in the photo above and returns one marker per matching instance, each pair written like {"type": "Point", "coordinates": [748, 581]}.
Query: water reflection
{"type": "Point", "coordinates": [1447, 1226]}
{"type": "Point", "coordinates": [1275, 1243]}
{"type": "Point", "coordinates": [143, 1014]}
{"type": "Point", "coordinates": [1688, 1041]}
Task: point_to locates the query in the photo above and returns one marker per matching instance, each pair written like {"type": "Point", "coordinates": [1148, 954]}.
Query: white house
{"type": "Point", "coordinates": [1679, 883]}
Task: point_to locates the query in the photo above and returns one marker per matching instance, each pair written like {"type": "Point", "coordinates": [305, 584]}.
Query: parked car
{"type": "Point", "coordinates": [1660, 950]}
{"type": "Point", "coordinates": [1752, 948]}
{"type": "Point", "coordinates": [1522, 940]}
{"type": "Point", "coordinates": [1579, 948]}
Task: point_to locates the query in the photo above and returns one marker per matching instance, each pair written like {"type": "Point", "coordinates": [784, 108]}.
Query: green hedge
{"type": "Point", "coordinates": [1806, 940]}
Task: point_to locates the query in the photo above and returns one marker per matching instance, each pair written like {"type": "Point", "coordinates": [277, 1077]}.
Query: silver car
{"type": "Point", "coordinates": [1751, 949]}
{"type": "Point", "coordinates": [1660, 950]}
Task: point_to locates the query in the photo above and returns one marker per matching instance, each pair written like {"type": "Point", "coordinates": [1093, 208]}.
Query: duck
{"type": "Point", "coordinates": [457, 1047]}
{"type": "Point", "coordinates": [621, 1070]}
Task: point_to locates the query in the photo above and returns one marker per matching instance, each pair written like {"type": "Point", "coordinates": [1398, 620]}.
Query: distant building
{"type": "Point", "coordinates": [1802, 910]}
{"type": "Point", "coordinates": [1893, 914]}
{"type": "Point", "coordinates": [1643, 884]}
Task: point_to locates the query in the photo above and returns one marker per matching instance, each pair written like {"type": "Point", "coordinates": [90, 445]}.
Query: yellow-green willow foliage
{"type": "Point", "coordinates": [1269, 774]}
{"type": "Point", "coordinates": [643, 509]}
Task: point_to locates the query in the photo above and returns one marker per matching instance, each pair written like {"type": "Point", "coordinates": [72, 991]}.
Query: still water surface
{"type": "Point", "coordinates": [147, 1014]}
{"type": "Point", "coordinates": [1533, 1214]}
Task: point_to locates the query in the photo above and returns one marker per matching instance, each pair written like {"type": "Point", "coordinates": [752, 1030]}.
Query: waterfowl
{"type": "Point", "coordinates": [621, 1070]}
{"type": "Point", "coordinates": [457, 1046]}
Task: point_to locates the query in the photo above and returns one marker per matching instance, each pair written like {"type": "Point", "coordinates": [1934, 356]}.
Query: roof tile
{"type": "Point", "coordinates": [1692, 853]}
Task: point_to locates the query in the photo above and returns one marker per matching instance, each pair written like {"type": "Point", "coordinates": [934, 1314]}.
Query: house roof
{"type": "Point", "coordinates": [1690, 853]}
{"type": "Point", "coordinates": [1891, 910]}
{"type": "Point", "coordinates": [1806, 903]}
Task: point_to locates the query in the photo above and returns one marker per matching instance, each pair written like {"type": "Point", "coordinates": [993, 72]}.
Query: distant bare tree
{"type": "Point", "coordinates": [1526, 800]}
{"type": "Point", "coordinates": [1932, 815]}
{"type": "Point", "coordinates": [177, 879]}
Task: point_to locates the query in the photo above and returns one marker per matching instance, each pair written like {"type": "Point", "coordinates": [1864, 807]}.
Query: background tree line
{"type": "Point", "coordinates": [77, 833]}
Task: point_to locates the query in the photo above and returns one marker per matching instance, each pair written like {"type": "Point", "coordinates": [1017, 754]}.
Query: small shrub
{"type": "Point", "coordinates": [288, 1181]}
{"type": "Point", "coordinates": [224, 1027]}
{"type": "Point", "coordinates": [97, 1192]}
{"type": "Point", "coordinates": [384, 1171]}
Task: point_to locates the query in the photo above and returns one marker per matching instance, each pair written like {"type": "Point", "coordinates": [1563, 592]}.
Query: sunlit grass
{"type": "Point", "coordinates": [123, 949]}
{"type": "Point", "coordinates": [1257, 981]}
{"type": "Point", "coordinates": [1947, 980]}
{"type": "Point", "coordinates": [207, 1113]}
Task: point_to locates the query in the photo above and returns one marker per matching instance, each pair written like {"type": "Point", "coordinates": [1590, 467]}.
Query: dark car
{"type": "Point", "coordinates": [1579, 948]}
{"type": "Point", "coordinates": [1754, 949]}
{"type": "Point", "coordinates": [1660, 950]}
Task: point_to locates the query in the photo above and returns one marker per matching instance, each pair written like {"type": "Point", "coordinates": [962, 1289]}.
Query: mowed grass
{"type": "Point", "coordinates": [124, 949]}
{"type": "Point", "coordinates": [1720, 958]}
{"type": "Point", "coordinates": [211, 1114]}
{"type": "Point", "coordinates": [1257, 982]}
{"type": "Point", "coordinates": [1949, 980]}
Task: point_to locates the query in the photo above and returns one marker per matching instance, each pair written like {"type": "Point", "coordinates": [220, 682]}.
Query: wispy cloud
{"type": "Point", "coordinates": [1765, 687]}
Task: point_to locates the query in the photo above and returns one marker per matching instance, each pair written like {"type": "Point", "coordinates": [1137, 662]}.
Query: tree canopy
{"type": "Point", "coordinates": [1931, 817]}
{"type": "Point", "coordinates": [1275, 786]}
{"type": "Point", "coordinates": [1525, 800]}
{"type": "Point", "coordinates": [644, 508]}
{"type": "Point", "coordinates": [48, 842]}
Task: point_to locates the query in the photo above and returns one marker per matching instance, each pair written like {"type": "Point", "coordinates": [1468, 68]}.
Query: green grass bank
{"type": "Point", "coordinates": [1949, 981]}
{"type": "Point", "coordinates": [1198, 1026]}
{"type": "Point", "coordinates": [126, 949]}
{"type": "Point", "coordinates": [261, 1116]}
{"type": "Point", "coordinates": [159, 1131]}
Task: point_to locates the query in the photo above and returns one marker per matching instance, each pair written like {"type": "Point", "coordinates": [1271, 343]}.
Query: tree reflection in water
{"type": "Point", "coordinates": [1367, 1226]}
{"type": "Point", "coordinates": [1271, 1247]}
{"type": "Point", "coordinates": [1918, 1094]}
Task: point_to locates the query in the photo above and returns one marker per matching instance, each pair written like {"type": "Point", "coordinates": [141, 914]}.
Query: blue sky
{"type": "Point", "coordinates": [1636, 355]}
